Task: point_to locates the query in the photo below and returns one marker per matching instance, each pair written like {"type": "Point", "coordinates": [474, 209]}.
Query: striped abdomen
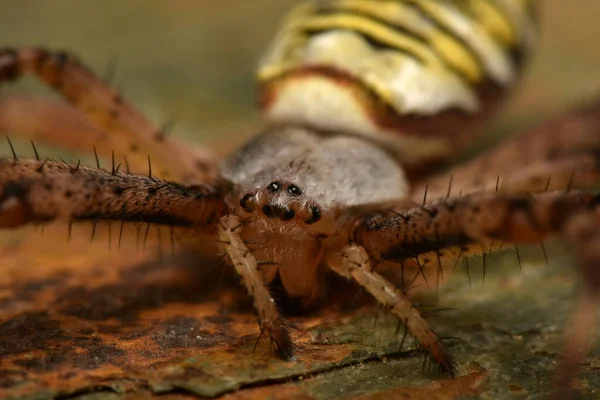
{"type": "Point", "coordinates": [417, 75]}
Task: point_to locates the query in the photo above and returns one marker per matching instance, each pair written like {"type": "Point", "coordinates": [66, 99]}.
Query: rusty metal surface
{"type": "Point", "coordinates": [75, 316]}
{"type": "Point", "coordinates": [79, 320]}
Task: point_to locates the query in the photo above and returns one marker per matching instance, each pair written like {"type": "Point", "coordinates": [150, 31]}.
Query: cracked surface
{"type": "Point", "coordinates": [137, 305]}
{"type": "Point", "coordinates": [85, 322]}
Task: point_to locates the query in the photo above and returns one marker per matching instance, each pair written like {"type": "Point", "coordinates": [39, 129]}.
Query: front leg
{"type": "Point", "coordinates": [432, 235]}
{"type": "Point", "coordinates": [270, 321]}
{"type": "Point", "coordinates": [354, 263]}
{"type": "Point", "coordinates": [41, 191]}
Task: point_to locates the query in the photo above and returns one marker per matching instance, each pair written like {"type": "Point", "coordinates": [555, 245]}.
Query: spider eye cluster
{"type": "Point", "coordinates": [309, 213]}
{"type": "Point", "coordinates": [274, 187]}
{"type": "Point", "coordinates": [294, 190]}
{"type": "Point", "coordinates": [315, 215]}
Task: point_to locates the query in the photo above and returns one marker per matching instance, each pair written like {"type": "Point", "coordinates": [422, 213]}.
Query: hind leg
{"type": "Point", "coordinates": [112, 123]}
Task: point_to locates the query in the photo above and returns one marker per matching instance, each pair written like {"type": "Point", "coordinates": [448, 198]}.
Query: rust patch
{"type": "Point", "coordinates": [278, 392]}
{"type": "Point", "coordinates": [75, 316]}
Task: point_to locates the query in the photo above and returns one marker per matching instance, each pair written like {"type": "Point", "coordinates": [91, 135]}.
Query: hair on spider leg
{"type": "Point", "coordinates": [518, 258]}
{"type": "Point", "coordinates": [120, 235]}
{"type": "Point", "coordinates": [421, 272]}
{"type": "Point", "coordinates": [37, 156]}
{"type": "Point", "coordinates": [466, 264]}
{"type": "Point", "coordinates": [439, 273]}
{"type": "Point", "coordinates": [127, 168]}
{"type": "Point", "coordinates": [165, 129]}
{"type": "Point", "coordinates": [449, 186]}
{"type": "Point", "coordinates": [483, 274]}
{"type": "Point", "coordinates": [96, 157]}
{"type": "Point", "coordinates": [94, 225]}
{"type": "Point", "coordinates": [12, 150]}
{"type": "Point", "coordinates": [260, 335]}
{"type": "Point", "coordinates": [146, 236]}
{"type": "Point", "coordinates": [545, 254]}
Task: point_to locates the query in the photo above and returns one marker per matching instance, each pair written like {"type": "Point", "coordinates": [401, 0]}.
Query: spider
{"type": "Point", "coordinates": [362, 100]}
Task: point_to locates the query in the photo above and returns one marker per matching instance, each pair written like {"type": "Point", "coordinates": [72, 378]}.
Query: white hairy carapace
{"type": "Point", "coordinates": [358, 93]}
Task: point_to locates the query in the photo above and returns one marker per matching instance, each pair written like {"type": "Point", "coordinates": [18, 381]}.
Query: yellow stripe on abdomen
{"type": "Point", "coordinates": [398, 61]}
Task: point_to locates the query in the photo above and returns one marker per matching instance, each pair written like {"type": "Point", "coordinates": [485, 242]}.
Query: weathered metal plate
{"type": "Point", "coordinates": [81, 320]}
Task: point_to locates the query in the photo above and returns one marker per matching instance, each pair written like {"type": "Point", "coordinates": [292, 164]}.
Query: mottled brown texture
{"type": "Point", "coordinates": [84, 317]}
{"type": "Point", "coordinates": [38, 191]}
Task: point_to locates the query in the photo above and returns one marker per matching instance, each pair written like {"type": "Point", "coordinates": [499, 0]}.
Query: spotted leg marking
{"type": "Point", "coordinates": [36, 191]}
{"type": "Point", "coordinates": [271, 322]}
{"type": "Point", "coordinates": [475, 222]}
{"type": "Point", "coordinates": [353, 263]}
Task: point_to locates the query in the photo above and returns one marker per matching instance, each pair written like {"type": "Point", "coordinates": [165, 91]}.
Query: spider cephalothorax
{"type": "Point", "coordinates": [360, 97]}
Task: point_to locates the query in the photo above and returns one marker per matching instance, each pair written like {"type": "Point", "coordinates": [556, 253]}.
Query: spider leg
{"type": "Point", "coordinates": [353, 263]}
{"type": "Point", "coordinates": [270, 321]}
{"type": "Point", "coordinates": [562, 152]}
{"type": "Point", "coordinates": [38, 191]}
{"type": "Point", "coordinates": [472, 224]}
{"type": "Point", "coordinates": [124, 130]}
{"type": "Point", "coordinates": [56, 123]}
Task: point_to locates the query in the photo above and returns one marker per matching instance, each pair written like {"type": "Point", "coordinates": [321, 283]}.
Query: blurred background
{"type": "Point", "coordinates": [192, 61]}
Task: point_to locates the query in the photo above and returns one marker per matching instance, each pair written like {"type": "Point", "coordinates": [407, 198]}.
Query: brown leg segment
{"type": "Point", "coordinates": [270, 321]}
{"type": "Point", "coordinates": [53, 122]}
{"type": "Point", "coordinates": [583, 233]}
{"type": "Point", "coordinates": [36, 191]}
{"type": "Point", "coordinates": [354, 263]}
{"type": "Point", "coordinates": [475, 223]}
{"type": "Point", "coordinates": [562, 152]}
{"type": "Point", "coordinates": [131, 134]}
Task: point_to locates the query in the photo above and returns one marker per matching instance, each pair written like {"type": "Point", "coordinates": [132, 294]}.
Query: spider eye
{"type": "Point", "coordinates": [244, 203]}
{"type": "Point", "coordinates": [288, 214]}
{"type": "Point", "coordinates": [274, 187]}
{"type": "Point", "coordinates": [268, 211]}
{"type": "Point", "coordinates": [315, 215]}
{"type": "Point", "coordinates": [294, 190]}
